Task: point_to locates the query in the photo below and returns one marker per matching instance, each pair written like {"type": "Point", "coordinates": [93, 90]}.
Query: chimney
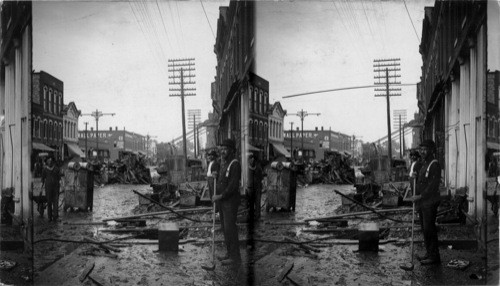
{"type": "Point", "coordinates": [316, 128]}
{"type": "Point", "coordinates": [321, 128]}
{"type": "Point", "coordinates": [110, 128]}
{"type": "Point", "coordinates": [298, 129]}
{"type": "Point", "coordinates": [116, 128]}
{"type": "Point", "coordinates": [91, 128]}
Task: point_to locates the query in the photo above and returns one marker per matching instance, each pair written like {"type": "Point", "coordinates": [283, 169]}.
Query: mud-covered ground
{"type": "Point", "coordinates": [336, 263]}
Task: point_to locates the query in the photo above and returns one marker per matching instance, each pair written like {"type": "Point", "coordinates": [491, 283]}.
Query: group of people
{"type": "Point", "coordinates": [224, 177]}
{"type": "Point", "coordinates": [425, 173]}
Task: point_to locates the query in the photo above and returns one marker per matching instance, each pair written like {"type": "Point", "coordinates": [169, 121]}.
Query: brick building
{"type": "Point", "coordinates": [317, 141]}
{"type": "Point", "coordinates": [111, 143]}
{"type": "Point", "coordinates": [258, 128]}
{"type": "Point", "coordinates": [47, 114]}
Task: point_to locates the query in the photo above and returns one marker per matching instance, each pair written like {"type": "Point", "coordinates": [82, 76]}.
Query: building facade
{"type": "Point", "coordinates": [47, 115]}
{"type": "Point", "coordinates": [70, 132]}
{"type": "Point", "coordinates": [453, 94]}
{"type": "Point", "coordinates": [276, 132]}
{"type": "Point", "coordinates": [231, 91]}
{"type": "Point", "coordinates": [316, 142]}
{"type": "Point", "coordinates": [258, 128]}
{"type": "Point", "coordinates": [15, 110]}
{"type": "Point", "coordinates": [111, 143]}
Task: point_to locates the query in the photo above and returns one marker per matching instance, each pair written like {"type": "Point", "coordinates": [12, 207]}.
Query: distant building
{"type": "Point", "coordinates": [47, 114]}
{"type": "Point", "coordinates": [276, 132]}
{"type": "Point", "coordinates": [112, 142]}
{"type": "Point", "coordinates": [258, 104]}
{"type": "Point", "coordinates": [70, 132]}
{"type": "Point", "coordinates": [316, 142]}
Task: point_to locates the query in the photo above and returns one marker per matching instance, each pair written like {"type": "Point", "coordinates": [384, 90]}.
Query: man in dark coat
{"type": "Point", "coordinates": [228, 194]}
{"type": "Point", "coordinates": [51, 176]}
{"type": "Point", "coordinates": [255, 176]}
{"type": "Point", "coordinates": [427, 200]}
{"type": "Point", "coordinates": [212, 171]}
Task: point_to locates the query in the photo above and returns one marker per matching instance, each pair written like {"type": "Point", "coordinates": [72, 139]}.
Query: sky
{"type": "Point", "coordinates": [321, 45]}
{"type": "Point", "coordinates": [112, 56]}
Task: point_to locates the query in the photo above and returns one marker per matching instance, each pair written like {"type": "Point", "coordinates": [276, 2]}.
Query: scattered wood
{"type": "Point", "coordinates": [97, 279]}
{"type": "Point", "coordinates": [288, 267]}
{"type": "Point", "coordinates": [86, 271]}
{"type": "Point", "coordinates": [101, 253]}
{"type": "Point", "coordinates": [84, 223]}
{"type": "Point", "coordinates": [286, 223]}
{"type": "Point", "coordinates": [102, 245]}
{"type": "Point", "coordinates": [302, 245]}
{"type": "Point", "coordinates": [359, 213]}
{"type": "Point", "coordinates": [158, 213]}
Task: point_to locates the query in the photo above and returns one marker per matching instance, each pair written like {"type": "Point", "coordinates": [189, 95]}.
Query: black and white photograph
{"type": "Point", "coordinates": [225, 142]}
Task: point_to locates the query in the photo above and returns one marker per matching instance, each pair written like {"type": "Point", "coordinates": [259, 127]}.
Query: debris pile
{"type": "Point", "coordinates": [131, 169]}
{"type": "Point", "coordinates": [334, 169]}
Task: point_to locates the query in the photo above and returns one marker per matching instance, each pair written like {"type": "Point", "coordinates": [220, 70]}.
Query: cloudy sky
{"type": "Point", "coordinates": [312, 46]}
{"type": "Point", "coordinates": [112, 56]}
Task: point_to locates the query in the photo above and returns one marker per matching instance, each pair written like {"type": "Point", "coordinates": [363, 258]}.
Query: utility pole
{"type": "Point", "coordinates": [399, 119]}
{"type": "Point", "coordinates": [291, 140]}
{"type": "Point", "coordinates": [385, 66]}
{"type": "Point", "coordinates": [302, 114]}
{"type": "Point", "coordinates": [97, 114]}
{"type": "Point", "coordinates": [194, 115]}
{"type": "Point", "coordinates": [86, 149]}
{"type": "Point", "coordinates": [181, 76]}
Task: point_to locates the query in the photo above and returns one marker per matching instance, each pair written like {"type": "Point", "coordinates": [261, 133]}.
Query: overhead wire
{"type": "Point", "coordinates": [179, 49]}
{"type": "Point", "coordinates": [164, 26]}
{"type": "Point", "coordinates": [183, 42]}
{"type": "Point", "coordinates": [411, 20]}
{"type": "Point", "coordinates": [205, 12]}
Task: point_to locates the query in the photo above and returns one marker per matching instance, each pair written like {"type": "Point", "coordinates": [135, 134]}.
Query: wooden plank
{"type": "Point", "coordinates": [97, 279]}
{"type": "Point", "coordinates": [88, 268]}
{"type": "Point", "coordinates": [107, 247]}
{"type": "Point", "coordinates": [288, 267]}
{"type": "Point", "coordinates": [159, 213]}
{"type": "Point", "coordinates": [359, 213]}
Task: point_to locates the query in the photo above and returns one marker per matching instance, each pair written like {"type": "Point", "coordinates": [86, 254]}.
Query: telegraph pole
{"type": "Point", "coordinates": [291, 140]}
{"type": "Point", "coordinates": [97, 114]}
{"type": "Point", "coordinates": [399, 119]}
{"type": "Point", "coordinates": [302, 114]}
{"type": "Point", "coordinates": [385, 66]}
{"type": "Point", "coordinates": [181, 76]}
{"type": "Point", "coordinates": [86, 150]}
{"type": "Point", "coordinates": [194, 115]}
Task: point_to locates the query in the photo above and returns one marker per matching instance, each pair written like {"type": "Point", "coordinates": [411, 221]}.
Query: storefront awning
{"type": "Point", "coordinates": [252, 148]}
{"type": "Point", "coordinates": [280, 149]}
{"type": "Point", "coordinates": [493, 145]}
{"type": "Point", "coordinates": [42, 147]}
{"type": "Point", "coordinates": [74, 150]}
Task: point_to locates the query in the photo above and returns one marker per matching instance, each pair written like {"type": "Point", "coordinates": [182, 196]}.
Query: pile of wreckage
{"type": "Point", "coordinates": [335, 168]}
{"type": "Point", "coordinates": [130, 169]}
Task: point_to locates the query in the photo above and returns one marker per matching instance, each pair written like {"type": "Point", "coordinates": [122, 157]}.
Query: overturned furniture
{"type": "Point", "coordinates": [78, 186]}
{"type": "Point", "coordinates": [281, 186]}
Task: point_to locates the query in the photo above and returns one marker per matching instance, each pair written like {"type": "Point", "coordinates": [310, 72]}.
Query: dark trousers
{"type": "Point", "coordinates": [427, 216]}
{"type": "Point", "coordinates": [254, 196]}
{"type": "Point", "coordinates": [52, 203]}
{"type": "Point", "coordinates": [228, 215]}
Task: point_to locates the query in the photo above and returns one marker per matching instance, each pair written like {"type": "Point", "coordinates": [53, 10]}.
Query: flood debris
{"type": "Point", "coordinates": [7, 264]}
{"type": "Point", "coordinates": [86, 271]}
{"type": "Point", "coordinates": [130, 169]}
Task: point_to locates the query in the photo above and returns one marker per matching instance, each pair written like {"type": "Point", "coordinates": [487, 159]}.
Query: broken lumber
{"type": "Point", "coordinates": [84, 223]}
{"type": "Point", "coordinates": [88, 268]}
{"type": "Point", "coordinates": [288, 267]}
{"type": "Point", "coordinates": [97, 279]}
{"type": "Point", "coordinates": [102, 245]}
{"type": "Point", "coordinates": [286, 223]}
{"type": "Point", "coordinates": [157, 213]}
{"type": "Point", "coordinates": [302, 245]}
{"type": "Point", "coordinates": [359, 213]}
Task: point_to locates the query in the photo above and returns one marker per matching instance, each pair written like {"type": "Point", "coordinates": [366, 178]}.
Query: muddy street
{"type": "Point", "coordinates": [60, 256]}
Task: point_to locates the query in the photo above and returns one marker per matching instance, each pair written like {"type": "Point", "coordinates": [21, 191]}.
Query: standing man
{"type": "Point", "coordinates": [51, 176]}
{"type": "Point", "coordinates": [427, 200]}
{"type": "Point", "coordinates": [213, 170]}
{"type": "Point", "coordinates": [228, 196]}
{"type": "Point", "coordinates": [255, 177]}
{"type": "Point", "coordinates": [416, 165]}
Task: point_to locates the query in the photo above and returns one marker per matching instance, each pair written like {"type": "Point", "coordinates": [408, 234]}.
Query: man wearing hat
{"type": "Point", "coordinates": [228, 196]}
{"type": "Point", "coordinates": [212, 170]}
{"type": "Point", "coordinates": [427, 200]}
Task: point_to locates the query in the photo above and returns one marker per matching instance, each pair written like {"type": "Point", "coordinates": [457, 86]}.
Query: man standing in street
{"type": "Point", "coordinates": [255, 177]}
{"type": "Point", "coordinates": [212, 170]}
{"type": "Point", "coordinates": [427, 201]}
{"type": "Point", "coordinates": [228, 194]}
{"type": "Point", "coordinates": [51, 176]}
